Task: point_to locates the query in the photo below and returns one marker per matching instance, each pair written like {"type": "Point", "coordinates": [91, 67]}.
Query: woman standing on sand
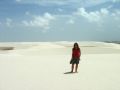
{"type": "Point", "coordinates": [76, 53]}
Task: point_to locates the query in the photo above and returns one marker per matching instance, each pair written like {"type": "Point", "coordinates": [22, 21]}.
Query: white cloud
{"type": "Point", "coordinates": [43, 2]}
{"type": "Point", "coordinates": [18, 0]}
{"type": "Point", "coordinates": [64, 2]}
{"type": "Point", "coordinates": [116, 15]}
{"type": "Point", "coordinates": [48, 16]}
{"type": "Point", "coordinates": [116, 1]}
{"type": "Point", "coordinates": [71, 21]}
{"type": "Point", "coordinates": [93, 16]}
{"type": "Point", "coordinates": [8, 22]}
{"type": "Point", "coordinates": [118, 12]}
{"type": "Point", "coordinates": [40, 21]}
{"type": "Point", "coordinates": [104, 11]}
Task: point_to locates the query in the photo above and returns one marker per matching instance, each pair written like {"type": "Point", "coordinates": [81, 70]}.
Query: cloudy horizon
{"type": "Point", "coordinates": [59, 20]}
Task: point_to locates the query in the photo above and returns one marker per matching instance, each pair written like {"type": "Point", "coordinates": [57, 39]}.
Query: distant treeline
{"type": "Point", "coordinates": [117, 42]}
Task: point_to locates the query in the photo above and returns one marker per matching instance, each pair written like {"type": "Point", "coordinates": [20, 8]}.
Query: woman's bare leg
{"type": "Point", "coordinates": [76, 67]}
{"type": "Point", "coordinates": [72, 68]}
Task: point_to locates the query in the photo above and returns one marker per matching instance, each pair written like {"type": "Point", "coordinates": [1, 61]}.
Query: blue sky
{"type": "Point", "coordinates": [59, 20]}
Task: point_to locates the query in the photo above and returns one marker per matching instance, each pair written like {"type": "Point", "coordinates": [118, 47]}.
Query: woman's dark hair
{"type": "Point", "coordinates": [76, 44]}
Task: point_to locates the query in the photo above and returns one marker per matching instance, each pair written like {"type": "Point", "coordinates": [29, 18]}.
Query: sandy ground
{"type": "Point", "coordinates": [41, 66]}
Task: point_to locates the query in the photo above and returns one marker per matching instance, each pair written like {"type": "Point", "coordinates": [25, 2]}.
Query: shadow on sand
{"type": "Point", "coordinates": [70, 72]}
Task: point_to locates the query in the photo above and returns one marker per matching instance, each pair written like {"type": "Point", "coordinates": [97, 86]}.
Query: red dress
{"type": "Point", "coordinates": [76, 53]}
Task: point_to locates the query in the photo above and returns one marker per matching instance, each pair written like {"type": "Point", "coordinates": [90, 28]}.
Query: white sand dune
{"type": "Point", "coordinates": [41, 66]}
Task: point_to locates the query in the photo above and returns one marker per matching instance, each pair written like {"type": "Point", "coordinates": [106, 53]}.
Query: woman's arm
{"type": "Point", "coordinates": [80, 53]}
{"type": "Point", "coordinates": [72, 54]}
